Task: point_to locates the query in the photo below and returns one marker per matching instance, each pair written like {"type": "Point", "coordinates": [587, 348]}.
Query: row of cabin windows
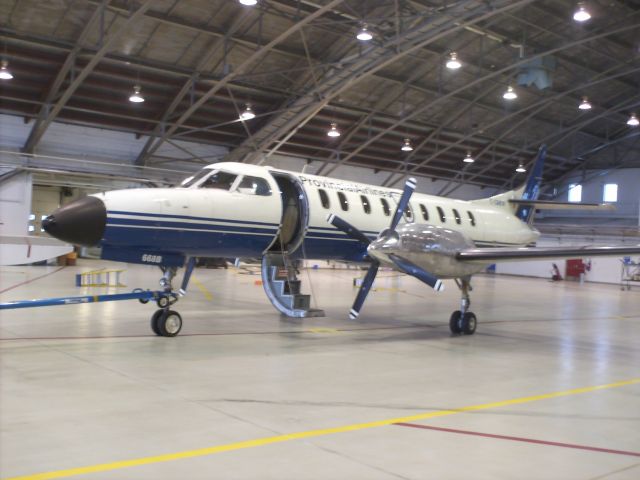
{"type": "Point", "coordinates": [366, 205]}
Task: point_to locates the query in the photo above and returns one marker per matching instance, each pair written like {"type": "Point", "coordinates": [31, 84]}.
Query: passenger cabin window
{"type": "Point", "coordinates": [425, 212]}
{"type": "Point", "coordinates": [344, 204]}
{"type": "Point", "coordinates": [324, 198]}
{"type": "Point", "coordinates": [408, 214]}
{"type": "Point", "coordinates": [193, 179]}
{"type": "Point", "coordinates": [472, 219]}
{"type": "Point", "coordinates": [365, 204]}
{"type": "Point", "coordinates": [254, 186]}
{"type": "Point", "coordinates": [385, 207]}
{"type": "Point", "coordinates": [221, 180]}
{"type": "Point", "coordinates": [456, 215]}
{"type": "Point", "coordinates": [443, 219]}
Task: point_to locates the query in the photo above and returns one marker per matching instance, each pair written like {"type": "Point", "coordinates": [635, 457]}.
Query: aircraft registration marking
{"type": "Point", "coordinates": [259, 442]}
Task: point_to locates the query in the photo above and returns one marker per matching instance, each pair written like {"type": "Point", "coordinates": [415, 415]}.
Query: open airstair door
{"type": "Point", "coordinates": [279, 276]}
{"type": "Point", "coordinates": [295, 214]}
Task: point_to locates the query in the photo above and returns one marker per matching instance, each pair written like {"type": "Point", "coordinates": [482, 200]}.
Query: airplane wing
{"type": "Point", "coordinates": [23, 249]}
{"type": "Point", "coordinates": [491, 255]}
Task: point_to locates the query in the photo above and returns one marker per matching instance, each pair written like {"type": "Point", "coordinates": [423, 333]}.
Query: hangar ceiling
{"type": "Point", "coordinates": [299, 66]}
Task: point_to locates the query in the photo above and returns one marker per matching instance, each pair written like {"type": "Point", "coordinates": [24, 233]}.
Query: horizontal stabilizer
{"type": "Point", "coordinates": [551, 205]}
{"type": "Point", "coordinates": [492, 255]}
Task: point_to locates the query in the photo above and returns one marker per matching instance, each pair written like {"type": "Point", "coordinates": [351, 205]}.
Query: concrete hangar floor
{"type": "Point", "coordinates": [548, 386]}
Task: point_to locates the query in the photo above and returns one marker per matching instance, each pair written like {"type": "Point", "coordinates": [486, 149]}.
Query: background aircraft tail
{"type": "Point", "coordinates": [528, 192]}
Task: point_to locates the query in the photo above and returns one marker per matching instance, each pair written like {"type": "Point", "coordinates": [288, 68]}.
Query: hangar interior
{"type": "Point", "coordinates": [98, 95]}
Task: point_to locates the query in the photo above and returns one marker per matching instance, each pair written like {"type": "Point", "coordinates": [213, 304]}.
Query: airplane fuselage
{"type": "Point", "coordinates": [253, 210]}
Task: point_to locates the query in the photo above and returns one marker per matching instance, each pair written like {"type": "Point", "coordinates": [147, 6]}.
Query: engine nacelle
{"type": "Point", "coordinates": [430, 247]}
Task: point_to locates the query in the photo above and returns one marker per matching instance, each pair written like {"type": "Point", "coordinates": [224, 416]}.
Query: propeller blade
{"type": "Point", "coordinates": [347, 228]}
{"type": "Point", "coordinates": [409, 187]}
{"type": "Point", "coordinates": [364, 290]}
{"type": "Point", "coordinates": [415, 271]}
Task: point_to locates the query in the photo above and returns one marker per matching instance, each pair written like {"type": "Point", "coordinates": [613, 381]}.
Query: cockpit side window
{"type": "Point", "coordinates": [193, 179]}
{"type": "Point", "coordinates": [254, 186]}
{"type": "Point", "coordinates": [220, 179]}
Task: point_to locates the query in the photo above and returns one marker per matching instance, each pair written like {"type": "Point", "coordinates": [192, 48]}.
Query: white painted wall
{"type": "Point", "coordinates": [627, 207]}
{"type": "Point", "coordinates": [603, 269]}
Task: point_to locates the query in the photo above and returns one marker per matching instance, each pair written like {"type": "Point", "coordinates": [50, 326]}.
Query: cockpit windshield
{"type": "Point", "coordinates": [213, 179]}
{"type": "Point", "coordinates": [193, 179]}
{"type": "Point", "coordinates": [220, 179]}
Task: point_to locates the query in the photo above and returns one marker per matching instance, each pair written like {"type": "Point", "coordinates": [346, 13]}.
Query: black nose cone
{"type": "Point", "coordinates": [81, 222]}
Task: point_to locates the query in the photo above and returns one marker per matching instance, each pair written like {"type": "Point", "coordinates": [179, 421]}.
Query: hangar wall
{"type": "Point", "coordinates": [628, 204]}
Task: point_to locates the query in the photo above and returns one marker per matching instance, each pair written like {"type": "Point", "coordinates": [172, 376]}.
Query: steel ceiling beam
{"type": "Point", "coordinates": [533, 110]}
{"type": "Point", "coordinates": [231, 76]}
{"type": "Point", "coordinates": [375, 58]}
{"type": "Point", "coordinates": [43, 123]}
{"type": "Point", "coordinates": [563, 133]}
{"type": "Point", "coordinates": [236, 23]}
{"type": "Point", "coordinates": [430, 104]}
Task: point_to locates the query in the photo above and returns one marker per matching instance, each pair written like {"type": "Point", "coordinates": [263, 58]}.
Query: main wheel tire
{"type": "Point", "coordinates": [469, 323]}
{"type": "Point", "coordinates": [155, 320]}
{"type": "Point", "coordinates": [455, 322]}
{"type": "Point", "coordinates": [169, 323]}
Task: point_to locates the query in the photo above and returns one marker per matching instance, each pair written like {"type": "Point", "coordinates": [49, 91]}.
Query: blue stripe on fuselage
{"type": "Point", "coordinates": [242, 239]}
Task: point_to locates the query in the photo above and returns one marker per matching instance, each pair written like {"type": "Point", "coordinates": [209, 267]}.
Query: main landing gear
{"type": "Point", "coordinates": [463, 321]}
{"type": "Point", "coordinates": [166, 322]}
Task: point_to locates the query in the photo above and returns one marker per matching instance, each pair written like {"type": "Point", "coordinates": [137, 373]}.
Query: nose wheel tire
{"type": "Point", "coordinates": [469, 323]}
{"type": "Point", "coordinates": [463, 323]}
{"type": "Point", "coordinates": [166, 323]}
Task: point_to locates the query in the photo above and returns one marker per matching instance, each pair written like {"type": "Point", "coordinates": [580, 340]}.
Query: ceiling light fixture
{"type": "Point", "coordinates": [585, 104]}
{"type": "Point", "coordinates": [5, 74]}
{"type": "Point", "coordinates": [364, 35]}
{"type": "Point", "coordinates": [520, 168]}
{"type": "Point", "coordinates": [633, 120]}
{"type": "Point", "coordinates": [406, 146]}
{"type": "Point", "coordinates": [510, 94]}
{"type": "Point", "coordinates": [333, 132]}
{"type": "Point", "coordinates": [248, 113]}
{"type": "Point", "coordinates": [468, 158]}
{"type": "Point", "coordinates": [453, 63]}
{"type": "Point", "coordinates": [136, 97]}
{"type": "Point", "coordinates": [248, 3]}
{"type": "Point", "coordinates": [581, 14]}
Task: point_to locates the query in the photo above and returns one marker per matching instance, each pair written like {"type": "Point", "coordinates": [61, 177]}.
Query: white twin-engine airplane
{"type": "Point", "coordinates": [237, 210]}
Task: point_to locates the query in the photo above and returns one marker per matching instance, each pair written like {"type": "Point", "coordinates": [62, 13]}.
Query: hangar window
{"type": "Point", "coordinates": [472, 219]}
{"type": "Point", "coordinates": [221, 180]}
{"type": "Point", "coordinates": [385, 207]}
{"type": "Point", "coordinates": [443, 219]}
{"type": "Point", "coordinates": [254, 186]}
{"type": "Point", "coordinates": [324, 198]}
{"type": "Point", "coordinates": [456, 215]}
{"type": "Point", "coordinates": [365, 204]}
{"type": "Point", "coordinates": [425, 212]}
{"type": "Point", "coordinates": [193, 179]}
{"type": "Point", "coordinates": [344, 204]}
{"type": "Point", "coordinates": [575, 192]}
{"type": "Point", "coordinates": [610, 193]}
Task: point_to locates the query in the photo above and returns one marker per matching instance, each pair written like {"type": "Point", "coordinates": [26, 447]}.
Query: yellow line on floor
{"type": "Point", "coordinates": [203, 289]}
{"type": "Point", "coordinates": [104, 467]}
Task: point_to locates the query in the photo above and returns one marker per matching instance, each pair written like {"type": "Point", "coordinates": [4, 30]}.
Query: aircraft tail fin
{"type": "Point", "coordinates": [528, 191]}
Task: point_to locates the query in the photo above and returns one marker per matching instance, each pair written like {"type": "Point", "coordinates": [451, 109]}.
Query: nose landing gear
{"type": "Point", "coordinates": [463, 321]}
{"type": "Point", "coordinates": [166, 322]}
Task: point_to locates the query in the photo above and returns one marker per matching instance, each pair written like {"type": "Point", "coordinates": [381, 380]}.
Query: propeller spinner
{"type": "Point", "coordinates": [386, 235]}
